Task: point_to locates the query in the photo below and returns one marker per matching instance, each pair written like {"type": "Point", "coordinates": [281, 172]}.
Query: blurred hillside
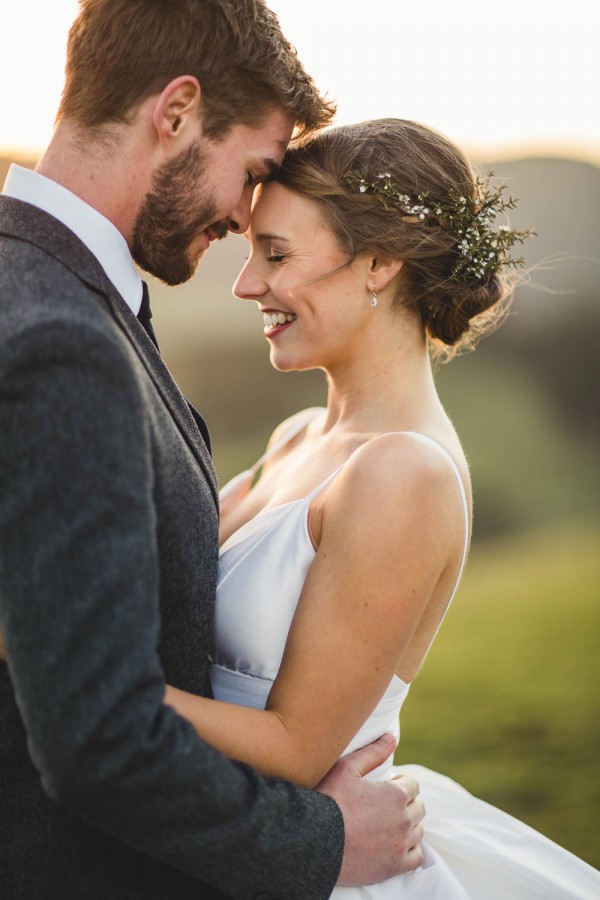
{"type": "Point", "coordinates": [525, 403]}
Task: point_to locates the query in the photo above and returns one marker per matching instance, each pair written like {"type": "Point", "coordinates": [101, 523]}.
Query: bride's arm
{"type": "Point", "coordinates": [387, 531]}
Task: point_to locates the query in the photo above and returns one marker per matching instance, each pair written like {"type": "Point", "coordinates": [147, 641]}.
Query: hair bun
{"type": "Point", "coordinates": [458, 312]}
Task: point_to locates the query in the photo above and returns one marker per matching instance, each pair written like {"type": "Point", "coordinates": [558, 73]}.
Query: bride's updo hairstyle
{"type": "Point", "coordinates": [400, 190]}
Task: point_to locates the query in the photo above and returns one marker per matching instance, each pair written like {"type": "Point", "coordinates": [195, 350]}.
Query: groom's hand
{"type": "Point", "coordinates": [382, 820]}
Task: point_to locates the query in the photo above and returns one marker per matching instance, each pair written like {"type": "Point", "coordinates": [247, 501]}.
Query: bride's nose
{"type": "Point", "coordinates": [249, 285]}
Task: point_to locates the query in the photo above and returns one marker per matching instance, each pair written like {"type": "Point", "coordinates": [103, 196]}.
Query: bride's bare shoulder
{"type": "Point", "coordinates": [394, 477]}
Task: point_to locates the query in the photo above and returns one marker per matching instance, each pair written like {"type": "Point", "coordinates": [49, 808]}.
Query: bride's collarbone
{"type": "Point", "coordinates": [294, 473]}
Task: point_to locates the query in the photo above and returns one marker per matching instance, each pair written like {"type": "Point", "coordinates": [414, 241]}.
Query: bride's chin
{"type": "Point", "coordinates": [285, 363]}
{"type": "Point", "coordinates": [280, 364]}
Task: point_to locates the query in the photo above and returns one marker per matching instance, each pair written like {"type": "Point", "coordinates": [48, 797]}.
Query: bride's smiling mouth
{"type": "Point", "coordinates": [276, 320]}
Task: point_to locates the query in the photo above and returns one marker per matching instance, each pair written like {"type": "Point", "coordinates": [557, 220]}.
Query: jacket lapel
{"type": "Point", "coordinates": [163, 381]}
{"type": "Point", "coordinates": [28, 223]}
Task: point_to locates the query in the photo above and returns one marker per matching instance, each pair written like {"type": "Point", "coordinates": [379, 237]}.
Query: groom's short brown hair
{"type": "Point", "coordinates": [122, 51]}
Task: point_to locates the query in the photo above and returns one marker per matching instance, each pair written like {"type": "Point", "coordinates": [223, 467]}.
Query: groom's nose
{"type": "Point", "coordinates": [239, 218]}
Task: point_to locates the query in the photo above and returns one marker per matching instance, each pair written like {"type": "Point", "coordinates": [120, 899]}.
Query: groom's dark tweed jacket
{"type": "Point", "coordinates": [108, 557]}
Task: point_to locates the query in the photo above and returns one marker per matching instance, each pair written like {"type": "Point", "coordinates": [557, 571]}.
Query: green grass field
{"type": "Point", "coordinates": [507, 701]}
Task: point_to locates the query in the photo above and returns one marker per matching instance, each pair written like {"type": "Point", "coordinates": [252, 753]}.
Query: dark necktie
{"type": "Point", "coordinates": [145, 314]}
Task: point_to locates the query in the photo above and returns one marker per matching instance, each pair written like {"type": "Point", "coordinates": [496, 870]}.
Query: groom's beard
{"type": "Point", "coordinates": [166, 227]}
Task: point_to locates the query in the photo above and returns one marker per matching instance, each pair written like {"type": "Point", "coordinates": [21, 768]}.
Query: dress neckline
{"type": "Point", "coordinates": [280, 510]}
{"type": "Point", "coordinates": [322, 484]}
{"type": "Point", "coordinates": [316, 490]}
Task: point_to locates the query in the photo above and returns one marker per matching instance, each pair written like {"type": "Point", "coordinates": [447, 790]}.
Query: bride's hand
{"type": "Point", "coordinates": [382, 819]}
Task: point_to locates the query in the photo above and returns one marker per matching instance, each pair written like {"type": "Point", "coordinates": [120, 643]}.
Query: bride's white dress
{"type": "Point", "coordinates": [473, 851]}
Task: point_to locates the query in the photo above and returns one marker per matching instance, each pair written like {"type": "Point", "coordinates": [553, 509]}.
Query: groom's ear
{"type": "Point", "coordinates": [176, 111]}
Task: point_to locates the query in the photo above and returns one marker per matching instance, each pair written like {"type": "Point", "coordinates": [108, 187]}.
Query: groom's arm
{"type": "Point", "coordinates": [79, 614]}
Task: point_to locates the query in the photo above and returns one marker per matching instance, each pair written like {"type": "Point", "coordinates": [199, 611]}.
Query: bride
{"type": "Point", "coordinates": [373, 250]}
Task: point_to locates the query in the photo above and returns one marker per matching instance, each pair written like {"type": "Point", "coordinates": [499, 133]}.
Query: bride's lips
{"type": "Point", "coordinates": [275, 321]}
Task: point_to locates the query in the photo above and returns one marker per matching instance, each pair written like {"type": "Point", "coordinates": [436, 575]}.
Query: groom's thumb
{"type": "Point", "coordinates": [368, 758]}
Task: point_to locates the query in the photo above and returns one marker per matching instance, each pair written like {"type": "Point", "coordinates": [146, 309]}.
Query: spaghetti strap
{"type": "Point", "coordinates": [240, 483]}
{"type": "Point", "coordinates": [463, 496]}
{"type": "Point", "coordinates": [244, 478]}
{"type": "Point", "coordinates": [325, 482]}
{"type": "Point", "coordinates": [288, 436]}
{"type": "Point", "coordinates": [461, 488]}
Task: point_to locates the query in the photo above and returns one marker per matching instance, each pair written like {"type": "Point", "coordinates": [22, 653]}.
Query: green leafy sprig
{"type": "Point", "coordinates": [481, 248]}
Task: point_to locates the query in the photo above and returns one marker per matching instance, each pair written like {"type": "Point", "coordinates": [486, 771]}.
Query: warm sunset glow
{"type": "Point", "coordinates": [500, 78]}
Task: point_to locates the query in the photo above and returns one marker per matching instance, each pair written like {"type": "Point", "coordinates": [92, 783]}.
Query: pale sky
{"type": "Point", "coordinates": [498, 78]}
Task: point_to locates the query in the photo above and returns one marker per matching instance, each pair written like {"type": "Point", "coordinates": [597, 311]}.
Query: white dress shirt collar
{"type": "Point", "coordinates": [92, 228]}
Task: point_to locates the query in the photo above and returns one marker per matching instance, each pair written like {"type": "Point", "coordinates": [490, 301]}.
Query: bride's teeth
{"type": "Point", "coordinates": [280, 318]}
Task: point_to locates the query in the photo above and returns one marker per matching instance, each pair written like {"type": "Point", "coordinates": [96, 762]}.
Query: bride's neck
{"type": "Point", "coordinates": [390, 388]}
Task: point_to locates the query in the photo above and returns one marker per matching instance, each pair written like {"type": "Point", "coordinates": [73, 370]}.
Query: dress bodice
{"type": "Point", "coordinates": [262, 570]}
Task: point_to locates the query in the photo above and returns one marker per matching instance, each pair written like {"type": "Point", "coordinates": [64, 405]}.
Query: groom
{"type": "Point", "coordinates": [172, 111]}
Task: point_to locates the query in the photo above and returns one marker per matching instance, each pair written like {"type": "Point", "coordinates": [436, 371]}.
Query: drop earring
{"type": "Point", "coordinates": [374, 299]}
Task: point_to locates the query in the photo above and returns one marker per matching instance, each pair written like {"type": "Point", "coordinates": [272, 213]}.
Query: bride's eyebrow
{"type": "Point", "coordinates": [266, 237]}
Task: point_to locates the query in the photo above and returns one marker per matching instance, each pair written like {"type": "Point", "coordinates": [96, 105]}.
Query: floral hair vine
{"type": "Point", "coordinates": [481, 249]}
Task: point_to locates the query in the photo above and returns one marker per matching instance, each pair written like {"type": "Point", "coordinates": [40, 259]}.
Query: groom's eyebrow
{"type": "Point", "coordinates": [271, 167]}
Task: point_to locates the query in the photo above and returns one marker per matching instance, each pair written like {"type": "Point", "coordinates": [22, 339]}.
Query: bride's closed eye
{"type": "Point", "coordinates": [276, 258]}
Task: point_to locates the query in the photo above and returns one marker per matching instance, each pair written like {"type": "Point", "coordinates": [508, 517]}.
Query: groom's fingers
{"type": "Point", "coordinates": [412, 860]}
{"type": "Point", "coordinates": [382, 819]}
{"type": "Point", "coordinates": [416, 836]}
{"type": "Point", "coordinates": [413, 853]}
{"type": "Point", "coordinates": [364, 760]}
{"type": "Point", "coordinates": [368, 758]}
{"type": "Point", "coordinates": [408, 785]}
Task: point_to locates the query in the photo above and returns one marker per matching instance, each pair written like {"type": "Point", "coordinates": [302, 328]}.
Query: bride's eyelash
{"type": "Point", "coordinates": [276, 258]}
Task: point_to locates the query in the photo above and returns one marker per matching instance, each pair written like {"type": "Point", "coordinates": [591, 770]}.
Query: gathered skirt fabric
{"type": "Point", "coordinates": [474, 851]}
